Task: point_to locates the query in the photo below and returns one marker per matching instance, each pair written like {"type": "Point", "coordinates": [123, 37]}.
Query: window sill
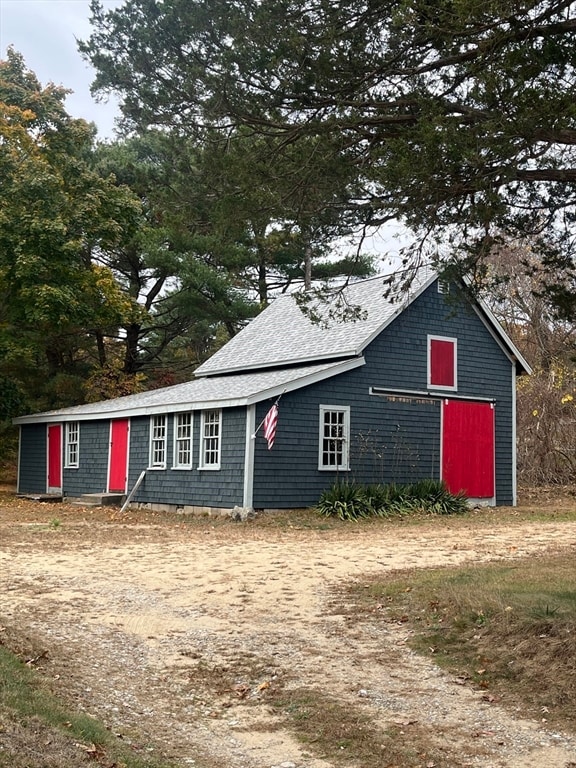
{"type": "Point", "coordinates": [334, 469]}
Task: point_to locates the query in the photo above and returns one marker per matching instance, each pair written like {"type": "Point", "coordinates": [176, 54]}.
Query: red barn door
{"type": "Point", "coordinates": [468, 448]}
{"type": "Point", "coordinates": [54, 481]}
{"type": "Point", "coordinates": [118, 461]}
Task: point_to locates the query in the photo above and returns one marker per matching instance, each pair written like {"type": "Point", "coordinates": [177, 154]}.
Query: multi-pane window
{"type": "Point", "coordinates": [183, 441]}
{"type": "Point", "coordinates": [442, 364]}
{"type": "Point", "coordinates": [210, 432]}
{"type": "Point", "coordinates": [158, 442]}
{"type": "Point", "coordinates": [334, 437]}
{"type": "Point", "coordinates": [71, 449]}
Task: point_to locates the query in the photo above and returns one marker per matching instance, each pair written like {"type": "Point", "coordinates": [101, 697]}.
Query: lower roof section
{"type": "Point", "coordinates": [210, 392]}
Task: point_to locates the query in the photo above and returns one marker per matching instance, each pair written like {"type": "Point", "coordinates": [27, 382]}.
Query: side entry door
{"type": "Point", "coordinates": [118, 458]}
{"type": "Point", "coordinates": [54, 479]}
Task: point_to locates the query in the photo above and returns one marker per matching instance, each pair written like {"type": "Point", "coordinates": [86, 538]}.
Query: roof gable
{"type": "Point", "coordinates": [284, 335]}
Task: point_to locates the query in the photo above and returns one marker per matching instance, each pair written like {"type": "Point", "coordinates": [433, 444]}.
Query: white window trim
{"type": "Point", "coordinates": [175, 462]}
{"type": "Point", "coordinates": [151, 464]}
{"type": "Point", "coordinates": [201, 463]}
{"type": "Point", "coordinates": [67, 443]}
{"type": "Point", "coordinates": [454, 341]}
{"type": "Point", "coordinates": [345, 465]}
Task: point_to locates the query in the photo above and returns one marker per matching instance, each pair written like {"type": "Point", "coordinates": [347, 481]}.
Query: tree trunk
{"type": "Point", "coordinates": [101, 348]}
{"type": "Point", "coordinates": [307, 267]}
{"type": "Point", "coordinates": [131, 362]}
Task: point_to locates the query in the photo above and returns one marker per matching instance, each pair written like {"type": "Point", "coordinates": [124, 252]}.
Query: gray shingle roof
{"type": "Point", "coordinates": [217, 392]}
{"type": "Point", "coordinates": [284, 335]}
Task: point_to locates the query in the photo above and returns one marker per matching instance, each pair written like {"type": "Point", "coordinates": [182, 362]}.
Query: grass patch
{"type": "Point", "coordinates": [38, 731]}
{"type": "Point", "coordinates": [344, 735]}
{"type": "Point", "coordinates": [340, 734]}
{"type": "Point", "coordinates": [509, 629]}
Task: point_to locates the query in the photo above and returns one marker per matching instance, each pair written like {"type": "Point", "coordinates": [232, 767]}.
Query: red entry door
{"type": "Point", "coordinates": [468, 448]}
{"type": "Point", "coordinates": [118, 462]}
{"type": "Point", "coordinates": [54, 482]}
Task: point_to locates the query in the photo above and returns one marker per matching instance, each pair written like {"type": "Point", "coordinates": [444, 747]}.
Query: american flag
{"type": "Point", "coordinates": [270, 422]}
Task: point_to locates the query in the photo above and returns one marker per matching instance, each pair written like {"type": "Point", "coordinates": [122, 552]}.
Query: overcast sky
{"type": "Point", "coordinates": [45, 33]}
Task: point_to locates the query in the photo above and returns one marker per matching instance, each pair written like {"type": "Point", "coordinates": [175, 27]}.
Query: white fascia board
{"type": "Point", "coordinates": [500, 336]}
{"type": "Point", "coordinates": [509, 347]}
{"type": "Point", "coordinates": [306, 381]}
{"type": "Point", "coordinates": [145, 410]}
{"type": "Point", "coordinates": [344, 354]}
{"type": "Point", "coordinates": [197, 405]}
{"type": "Point", "coordinates": [402, 306]}
{"type": "Point", "coordinates": [512, 348]}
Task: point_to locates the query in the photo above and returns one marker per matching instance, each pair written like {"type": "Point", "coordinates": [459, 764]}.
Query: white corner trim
{"type": "Point", "coordinates": [249, 452]}
{"type": "Point", "coordinates": [19, 458]}
{"type": "Point", "coordinates": [514, 446]}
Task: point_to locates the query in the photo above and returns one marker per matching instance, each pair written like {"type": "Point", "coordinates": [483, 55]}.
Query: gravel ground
{"type": "Point", "coordinates": [176, 635]}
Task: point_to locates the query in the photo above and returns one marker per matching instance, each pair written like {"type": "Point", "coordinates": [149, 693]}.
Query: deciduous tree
{"type": "Point", "coordinates": [55, 210]}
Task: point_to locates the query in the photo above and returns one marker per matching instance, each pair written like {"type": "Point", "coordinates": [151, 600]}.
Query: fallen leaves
{"type": "Point", "coordinates": [94, 751]}
{"type": "Point", "coordinates": [35, 659]}
{"type": "Point", "coordinates": [490, 698]}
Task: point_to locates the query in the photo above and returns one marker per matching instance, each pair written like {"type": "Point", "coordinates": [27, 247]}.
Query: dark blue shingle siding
{"type": "Point", "coordinates": [195, 487]}
{"type": "Point", "coordinates": [91, 475]}
{"type": "Point", "coordinates": [391, 441]}
{"type": "Point", "coordinates": [33, 468]}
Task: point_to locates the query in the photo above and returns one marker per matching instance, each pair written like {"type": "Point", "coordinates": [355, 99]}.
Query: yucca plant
{"type": "Point", "coordinates": [352, 501]}
{"type": "Point", "coordinates": [378, 497]}
{"type": "Point", "coordinates": [344, 500]}
{"type": "Point", "coordinates": [437, 499]}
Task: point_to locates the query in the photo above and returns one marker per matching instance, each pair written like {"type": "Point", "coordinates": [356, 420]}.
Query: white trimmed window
{"type": "Point", "coordinates": [210, 439]}
{"type": "Point", "coordinates": [158, 442]}
{"type": "Point", "coordinates": [71, 445]}
{"type": "Point", "coordinates": [334, 437]}
{"type": "Point", "coordinates": [442, 363]}
{"type": "Point", "coordinates": [183, 441]}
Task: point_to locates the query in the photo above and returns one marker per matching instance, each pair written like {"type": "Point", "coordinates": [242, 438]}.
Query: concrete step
{"type": "Point", "coordinates": [97, 500]}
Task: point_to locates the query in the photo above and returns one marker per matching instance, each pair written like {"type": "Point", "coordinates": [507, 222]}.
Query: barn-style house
{"type": "Point", "coordinates": [422, 386]}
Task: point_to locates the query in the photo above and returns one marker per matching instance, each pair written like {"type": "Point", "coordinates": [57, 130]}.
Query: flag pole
{"type": "Point", "coordinates": [259, 427]}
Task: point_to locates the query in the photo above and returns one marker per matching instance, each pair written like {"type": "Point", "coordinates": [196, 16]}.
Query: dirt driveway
{"type": "Point", "coordinates": [175, 633]}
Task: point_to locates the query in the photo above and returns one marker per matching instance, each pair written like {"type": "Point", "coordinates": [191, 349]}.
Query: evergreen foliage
{"type": "Point", "coordinates": [455, 117]}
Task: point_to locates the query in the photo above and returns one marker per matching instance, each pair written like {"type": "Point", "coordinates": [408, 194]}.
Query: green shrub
{"type": "Point", "coordinates": [352, 501]}
{"type": "Point", "coordinates": [344, 500]}
{"type": "Point", "coordinates": [436, 499]}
